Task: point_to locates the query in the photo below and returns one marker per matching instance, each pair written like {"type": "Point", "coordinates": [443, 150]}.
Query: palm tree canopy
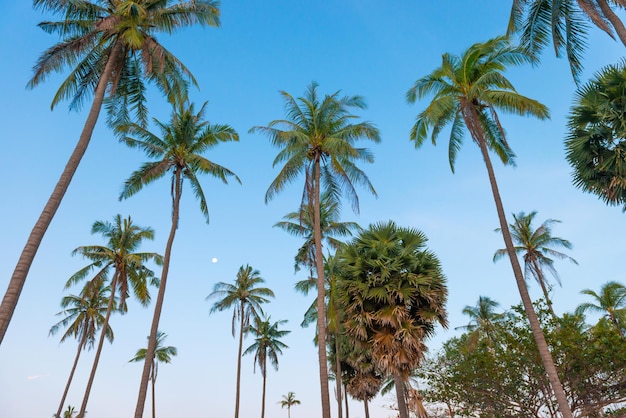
{"type": "Point", "coordinates": [289, 400]}
{"type": "Point", "coordinates": [536, 245]}
{"type": "Point", "coordinates": [393, 292]}
{"type": "Point", "coordinates": [124, 238]}
{"type": "Point", "coordinates": [244, 295]}
{"type": "Point", "coordinates": [178, 151]}
{"type": "Point", "coordinates": [267, 344]}
{"type": "Point", "coordinates": [595, 145]}
{"type": "Point", "coordinates": [320, 130]}
{"type": "Point", "coordinates": [93, 32]}
{"type": "Point", "coordinates": [162, 354]}
{"type": "Point", "coordinates": [610, 301]}
{"type": "Point", "coordinates": [467, 91]}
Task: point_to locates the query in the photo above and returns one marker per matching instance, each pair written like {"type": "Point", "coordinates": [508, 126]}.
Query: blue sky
{"type": "Point", "coordinates": [357, 46]}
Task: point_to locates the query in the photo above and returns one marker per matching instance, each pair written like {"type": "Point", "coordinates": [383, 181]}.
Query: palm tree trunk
{"type": "Point", "coordinates": [367, 408]}
{"type": "Point", "coordinates": [81, 346]}
{"type": "Point", "coordinates": [153, 379]}
{"type": "Point", "coordinates": [544, 289]}
{"type": "Point", "coordinates": [338, 370]}
{"type": "Point", "coordinates": [399, 384]}
{"type": "Point", "coordinates": [143, 386]}
{"type": "Point", "coordinates": [16, 284]}
{"type": "Point", "coordinates": [614, 19]}
{"type": "Point", "coordinates": [540, 340]}
{"type": "Point", "coordinates": [263, 396]}
{"type": "Point", "coordinates": [237, 390]}
{"type": "Point", "coordinates": [83, 408]}
{"type": "Point", "coordinates": [346, 401]}
{"type": "Point", "coordinates": [321, 294]}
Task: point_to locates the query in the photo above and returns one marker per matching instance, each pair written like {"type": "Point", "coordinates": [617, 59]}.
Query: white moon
{"type": "Point", "coordinates": [214, 260]}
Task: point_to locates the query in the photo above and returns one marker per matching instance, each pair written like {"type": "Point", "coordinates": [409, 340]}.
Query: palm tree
{"type": "Point", "coordinates": [393, 293]}
{"type": "Point", "coordinates": [483, 322]}
{"type": "Point", "coordinates": [246, 299]}
{"type": "Point", "coordinates": [267, 345]}
{"type": "Point", "coordinates": [84, 316]}
{"type": "Point", "coordinates": [468, 90]}
{"type": "Point", "coordinates": [69, 412]}
{"type": "Point", "coordinates": [565, 24]}
{"type": "Point", "coordinates": [537, 246]}
{"type": "Point", "coordinates": [178, 152]}
{"type": "Point", "coordinates": [288, 401]}
{"type": "Point", "coordinates": [111, 47]}
{"type": "Point", "coordinates": [595, 146]}
{"type": "Point", "coordinates": [129, 272]}
{"type": "Point", "coordinates": [611, 301]}
{"type": "Point", "coordinates": [317, 140]}
{"type": "Point", "coordinates": [161, 355]}
{"type": "Point", "coordinates": [363, 380]}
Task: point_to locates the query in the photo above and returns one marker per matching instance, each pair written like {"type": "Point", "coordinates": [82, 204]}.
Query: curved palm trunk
{"type": "Point", "coordinates": [16, 284]}
{"type": "Point", "coordinates": [399, 384]}
{"type": "Point", "coordinates": [544, 289]}
{"type": "Point", "coordinates": [471, 119]}
{"type": "Point", "coordinates": [153, 379]}
{"type": "Point", "coordinates": [263, 396]}
{"type": "Point", "coordinates": [237, 391]}
{"type": "Point", "coordinates": [81, 346]}
{"type": "Point", "coordinates": [614, 19]}
{"type": "Point", "coordinates": [82, 411]}
{"type": "Point", "coordinates": [321, 312]}
{"type": "Point", "coordinates": [145, 376]}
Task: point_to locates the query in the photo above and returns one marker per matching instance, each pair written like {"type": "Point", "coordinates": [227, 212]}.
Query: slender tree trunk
{"type": "Point", "coordinates": [321, 293]}
{"type": "Point", "coordinates": [237, 391]}
{"type": "Point", "coordinates": [263, 397]}
{"type": "Point", "coordinates": [544, 352]}
{"type": "Point", "coordinates": [346, 401]}
{"type": "Point", "coordinates": [399, 383]}
{"type": "Point", "coordinates": [614, 19]}
{"type": "Point", "coordinates": [338, 370]}
{"type": "Point", "coordinates": [16, 284]}
{"type": "Point", "coordinates": [153, 379]}
{"type": "Point", "coordinates": [367, 408]}
{"type": "Point", "coordinates": [143, 386]}
{"type": "Point", "coordinates": [81, 346]}
{"type": "Point", "coordinates": [542, 282]}
{"type": "Point", "coordinates": [83, 408]}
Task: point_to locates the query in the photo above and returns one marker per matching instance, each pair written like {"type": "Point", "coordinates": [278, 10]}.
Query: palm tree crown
{"type": "Point", "coordinates": [611, 301]}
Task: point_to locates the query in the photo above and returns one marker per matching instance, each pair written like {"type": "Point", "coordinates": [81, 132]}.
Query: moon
{"type": "Point", "coordinates": [214, 260]}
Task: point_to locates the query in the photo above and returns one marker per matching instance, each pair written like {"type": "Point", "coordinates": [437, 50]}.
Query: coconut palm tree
{"type": "Point", "coordinates": [266, 345]}
{"type": "Point", "coordinates": [130, 273]}
{"type": "Point", "coordinates": [177, 152]}
{"type": "Point", "coordinates": [595, 146]}
{"type": "Point", "coordinates": [537, 246]}
{"type": "Point", "coordinates": [393, 293]}
{"type": "Point", "coordinates": [611, 301]}
{"type": "Point", "coordinates": [468, 91]}
{"type": "Point", "coordinates": [162, 354]}
{"type": "Point", "coordinates": [84, 317]}
{"type": "Point", "coordinates": [69, 412]}
{"type": "Point", "coordinates": [288, 401]}
{"type": "Point", "coordinates": [111, 48]}
{"type": "Point", "coordinates": [565, 24]}
{"type": "Point", "coordinates": [246, 298]}
{"type": "Point", "coordinates": [317, 139]}
{"type": "Point", "coordinates": [483, 322]}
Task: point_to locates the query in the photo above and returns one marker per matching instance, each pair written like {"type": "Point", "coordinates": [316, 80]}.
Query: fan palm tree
{"type": "Point", "coordinates": [110, 46]}
{"type": "Point", "coordinates": [483, 322]}
{"type": "Point", "coordinates": [288, 401]}
{"type": "Point", "coordinates": [595, 145]}
{"type": "Point", "coordinates": [317, 140]}
{"type": "Point", "coordinates": [267, 345]}
{"type": "Point", "coordinates": [129, 272]}
{"type": "Point", "coordinates": [179, 153]}
{"type": "Point", "coordinates": [162, 354]}
{"type": "Point", "coordinates": [565, 24]}
{"type": "Point", "coordinates": [393, 293]}
{"type": "Point", "coordinates": [468, 90]}
{"type": "Point", "coordinates": [611, 301]}
{"type": "Point", "coordinates": [363, 380]}
{"type": "Point", "coordinates": [246, 299]}
{"type": "Point", "coordinates": [537, 246]}
{"type": "Point", "coordinates": [84, 317]}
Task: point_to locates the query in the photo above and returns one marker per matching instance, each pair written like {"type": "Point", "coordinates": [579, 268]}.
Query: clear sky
{"type": "Point", "coordinates": [371, 48]}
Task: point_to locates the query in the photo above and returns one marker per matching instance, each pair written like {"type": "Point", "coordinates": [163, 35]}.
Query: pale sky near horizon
{"type": "Point", "coordinates": [356, 46]}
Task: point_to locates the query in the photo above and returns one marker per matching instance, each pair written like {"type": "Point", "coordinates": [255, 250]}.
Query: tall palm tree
{"type": "Point", "coordinates": [484, 321]}
{"type": "Point", "coordinates": [246, 299]}
{"type": "Point", "coordinates": [537, 246]}
{"type": "Point", "coordinates": [468, 90]}
{"type": "Point", "coordinates": [84, 317]}
{"type": "Point", "coordinates": [393, 292]}
{"type": "Point", "coordinates": [179, 153]}
{"type": "Point", "coordinates": [266, 345]}
{"type": "Point", "coordinates": [611, 301]}
{"type": "Point", "coordinates": [110, 47]}
{"type": "Point", "coordinates": [162, 354]}
{"type": "Point", "coordinates": [565, 24]}
{"type": "Point", "coordinates": [317, 140]}
{"type": "Point", "coordinates": [288, 401]}
{"type": "Point", "coordinates": [130, 273]}
{"type": "Point", "coordinates": [595, 145]}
